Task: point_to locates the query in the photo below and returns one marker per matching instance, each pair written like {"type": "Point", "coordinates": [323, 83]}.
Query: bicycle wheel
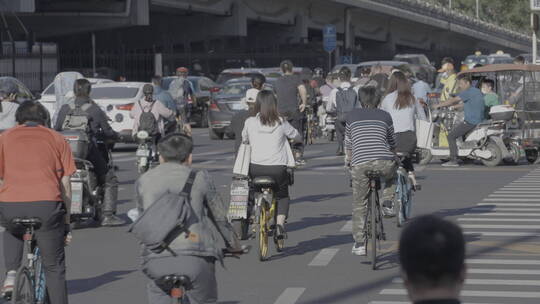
{"type": "Point", "coordinates": [262, 236]}
{"type": "Point", "coordinates": [374, 227]}
{"type": "Point", "coordinates": [39, 280]}
{"type": "Point", "coordinates": [23, 291]}
{"type": "Point", "coordinates": [400, 194]}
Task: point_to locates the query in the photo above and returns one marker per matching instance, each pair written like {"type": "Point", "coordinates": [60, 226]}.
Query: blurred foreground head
{"type": "Point", "coordinates": [432, 257]}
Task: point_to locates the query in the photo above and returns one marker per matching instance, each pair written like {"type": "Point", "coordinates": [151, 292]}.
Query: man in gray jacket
{"type": "Point", "coordinates": [201, 244]}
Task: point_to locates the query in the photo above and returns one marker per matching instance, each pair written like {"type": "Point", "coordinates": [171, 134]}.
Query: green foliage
{"type": "Point", "coordinates": [511, 14]}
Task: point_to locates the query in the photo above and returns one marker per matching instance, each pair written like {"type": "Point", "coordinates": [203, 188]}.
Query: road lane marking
{"type": "Point", "coordinates": [483, 233]}
{"type": "Point", "coordinates": [347, 227]}
{"type": "Point", "coordinates": [503, 262]}
{"type": "Point", "coordinates": [508, 199]}
{"type": "Point", "coordinates": [472, 226]}
{"type": "Point", "coordinates": [473, 219]}
{"type": "Point", "coordinates": [503, 271]}
{"type": "Point", "coordinates": [124, 160]}
{"type": "Point", "coordinates": [402, 302]}
{"type": "Point", "coordinates": [503, 214]}
{"type": "Point", "coordinates": [515, 192]}
{"type": "Point", "coordinates": [490, 282]}
{"type": "Point", "coordinates": [510, 204]}
{"type": "Point", "coordinates": [324, 257]}
{"type": "Point", "coordinates": [290, 295]}
{"type": "Point", "coordinates": [476, 293]}
{"type": "Point", "coordinates": [486, 208]}
{"type": "Point", "coordinates": [517, 195]}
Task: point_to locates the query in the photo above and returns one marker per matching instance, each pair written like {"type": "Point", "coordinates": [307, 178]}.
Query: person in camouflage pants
{"type": "Point", "coordinates": [360, 185]}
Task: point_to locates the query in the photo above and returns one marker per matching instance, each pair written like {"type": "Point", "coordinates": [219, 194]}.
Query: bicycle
{"type": "Point", "coordinates": [29, 287]}
{"type": "Point", "coordinates": [311, 131]}
{"type": "Point", "coordinates": [373, 224]}
{"type": "Point", "coordinates": [265, 211]}
{"type": "Point", "coordinates": [405, 188]}
{"type": "Point", "coordinates": [176, 286]}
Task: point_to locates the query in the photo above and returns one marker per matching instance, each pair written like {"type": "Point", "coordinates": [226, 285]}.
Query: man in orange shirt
{"type": "Point", "coordinates": [35, 168]}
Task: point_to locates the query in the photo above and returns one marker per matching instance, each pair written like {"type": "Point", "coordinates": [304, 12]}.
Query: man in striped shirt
{"type": "Point", "coordinates": [369, 144]}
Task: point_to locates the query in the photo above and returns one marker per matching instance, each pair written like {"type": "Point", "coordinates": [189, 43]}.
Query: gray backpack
{"type": "Point", "coordinates": [165, 219]}
{"type": "Point", "coordinates": [77, 118]}
{"type": "Point", "coordinates": [147, 121]}
{"type": "Point", "coordinates": [346, 101]}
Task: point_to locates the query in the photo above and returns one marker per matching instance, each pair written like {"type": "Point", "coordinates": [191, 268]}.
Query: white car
{"type": "Point", "coordinates": [48, 98]}
{"type": "Point", "coordinates": [117, 99]}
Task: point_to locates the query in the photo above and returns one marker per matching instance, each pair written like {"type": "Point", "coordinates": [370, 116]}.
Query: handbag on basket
{"type": "Point", "coordinates": [243, 159]}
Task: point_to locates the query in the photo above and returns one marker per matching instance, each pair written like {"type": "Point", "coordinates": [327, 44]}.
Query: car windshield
{"type": "Point", "coordinates": [476, 59]}
{"type": "Point", "coordinates": [411, 60]}
{"type": "Point", "coordinates": [500, 60]}
{"type": "Point", "coordinates": [236, 88]}
{"type": "Point", "coordinates": [224, 77]}
{"type": "Point", "coordinates": [114, 93]}
{"type": "Point", "coordinates": [49, 90]}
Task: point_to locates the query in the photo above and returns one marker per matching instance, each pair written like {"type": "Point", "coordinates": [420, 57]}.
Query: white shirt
{"type": "Point", "coordinates": [404, 119]}
{"type": "Point", "coordinates": [268, 142]}
{"type": "Point", "coordinates": [331, 105]}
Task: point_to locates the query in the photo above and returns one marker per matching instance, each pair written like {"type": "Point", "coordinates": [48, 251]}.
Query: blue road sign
{"type": "Point", "coordinates": [329, 38]}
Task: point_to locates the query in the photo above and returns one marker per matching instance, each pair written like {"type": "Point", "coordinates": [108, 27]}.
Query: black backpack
{"type": "Point", "coordinates": [165, 219]}
{"type": "Point", "coordinates": [346, 101]}
{"type": "Point", "coordinates": [147, 121]}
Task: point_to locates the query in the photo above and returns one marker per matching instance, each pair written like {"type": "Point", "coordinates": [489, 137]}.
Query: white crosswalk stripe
{"type": "Point", "coordinates": [509, 214]}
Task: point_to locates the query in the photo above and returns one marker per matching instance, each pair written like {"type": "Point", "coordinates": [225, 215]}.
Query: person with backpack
{"type": "Point", "coordinates": [174, 188]}
{"type": "Point", "coordinates": [84, 114]}
{"type": "Point", "coordinates": [150, 115]}
{"type": "Point", "coordinates": [343, 100]}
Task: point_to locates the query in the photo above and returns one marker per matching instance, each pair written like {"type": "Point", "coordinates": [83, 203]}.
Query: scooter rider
{"type": "Point", "coordinates": [99, 129]}
{"type": "Point", "coordinates": [473, 108]}
{"type": "Point", "coordinates": [181, 90]}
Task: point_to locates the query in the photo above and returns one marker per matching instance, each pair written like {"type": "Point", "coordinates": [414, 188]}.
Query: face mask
{"type": "Point", "coordinates": [485, 91]}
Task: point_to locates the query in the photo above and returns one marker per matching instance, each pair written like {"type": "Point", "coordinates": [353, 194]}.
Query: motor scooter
{"type": "Point", "coordinates": [146, 152]}
{"type": "Point", "coordinates": [490, 141]}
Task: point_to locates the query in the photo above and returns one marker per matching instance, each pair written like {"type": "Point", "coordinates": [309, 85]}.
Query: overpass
{"type": "Point", "coordinates": [263, 29]}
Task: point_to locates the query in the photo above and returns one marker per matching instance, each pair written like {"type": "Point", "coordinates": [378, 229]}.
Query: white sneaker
{"type": "Point", "coordinates": [359, 249]}
{"type": "Point", "coordinates": [9, 282]}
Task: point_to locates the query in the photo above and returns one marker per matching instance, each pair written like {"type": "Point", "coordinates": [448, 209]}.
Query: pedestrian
{"type": "Point", "coordinates": [421, 88]}
{"type": "Point", "coordinates": [474, 110]}
{"type": "Point", "coordinates": [369, 144]}
{"type": "Point", "coordinates": [292, 101]}
{"type": "Point", "coordinates": [35, 168]}
{"type": "Point", "coordinates": [448, 79]}
{"type": "Point", "coordinates": [365, 79]}
{"type": "Point", "coordinates": [198, 247]}
{"type": "Point", "coordinates": [432, 258]}
{"type": "Point", "coordinates": [239, 119]}
{"type": "Point", "coordinates": [490, 98]}
{"type": "Point", "coordinates": [401, 104]}
{"type": "Point", "coordinates": [343, 100]}
{"type": "Point", "coordinates": [380, 77]}
{"type": "Point", "coordinates": [267, 133]}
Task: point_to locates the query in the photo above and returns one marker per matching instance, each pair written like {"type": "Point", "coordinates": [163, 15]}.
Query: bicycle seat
{"type": "Point", "coordinates": [170, 281]}
{"type": "Point", "coordinates": [27, 222]}
{"type": "Point", "coordinates": [263, 181]}
{"type": "Point", "coordinates": [373, 174]}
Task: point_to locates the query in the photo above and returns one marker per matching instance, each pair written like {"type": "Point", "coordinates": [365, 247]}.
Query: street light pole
{"type": "Point", "coordinates": [450, 4]}
{"type": "Point", "coordinates": [477, 9]}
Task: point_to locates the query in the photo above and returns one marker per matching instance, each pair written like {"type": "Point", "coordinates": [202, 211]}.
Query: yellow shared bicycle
{"type": "Point", "coordinates": [265, 216]}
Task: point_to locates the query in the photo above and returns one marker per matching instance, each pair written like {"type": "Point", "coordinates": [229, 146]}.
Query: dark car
{"type": "Point", "coordinates": [229, 74]}
{"type": "Point", "coordinates": [419, 62]}
{"type": "Point", "coordinates": [203, 88]}
{"type": "Point", "coordinates": [226, 103]}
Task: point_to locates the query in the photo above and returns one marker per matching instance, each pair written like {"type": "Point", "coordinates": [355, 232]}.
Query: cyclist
{"type": "Point", "coordinates": [288, 88]}
{"type": "Point", "coordinates": [401, 104]}
{"type": "Point", "coordinates": [239, 119]}
{"type": "Point", "coordinates": [147, 104]}
{"type": "Point", "coordinates": [268, 134]}
{"type": "Point", "coordinates": [181, 89]}
{"type": "Point", "coordinates": [432, 258]}
{"type": "Point", "coordinates": [370, 145]}
{"type": "Point", "coordinates": [98, 129]}
{"type": "Point", "coordinates": [8, 108]}
{"type": "Point", "coordinates": [343, 99]}
{"type": "Point", "coordinates": [42, 159]}
{"type": "Point", "coordinates": [197, 249]}
{"type": "Point", "coordinates": [162, 95]}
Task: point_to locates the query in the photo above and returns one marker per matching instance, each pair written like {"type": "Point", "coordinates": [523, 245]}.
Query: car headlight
{"type": "Point", "coordinates": [119, 117]}
{"type": "Point", "coordinates": [142, 135]}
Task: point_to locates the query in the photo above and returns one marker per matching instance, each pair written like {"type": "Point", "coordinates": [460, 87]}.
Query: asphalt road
{"type": "Point", "coordinates": [498, 208]}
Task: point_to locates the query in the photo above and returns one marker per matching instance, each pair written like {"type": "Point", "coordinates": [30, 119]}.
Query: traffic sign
{"type": "Point", "coordinates": [329, 38]}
